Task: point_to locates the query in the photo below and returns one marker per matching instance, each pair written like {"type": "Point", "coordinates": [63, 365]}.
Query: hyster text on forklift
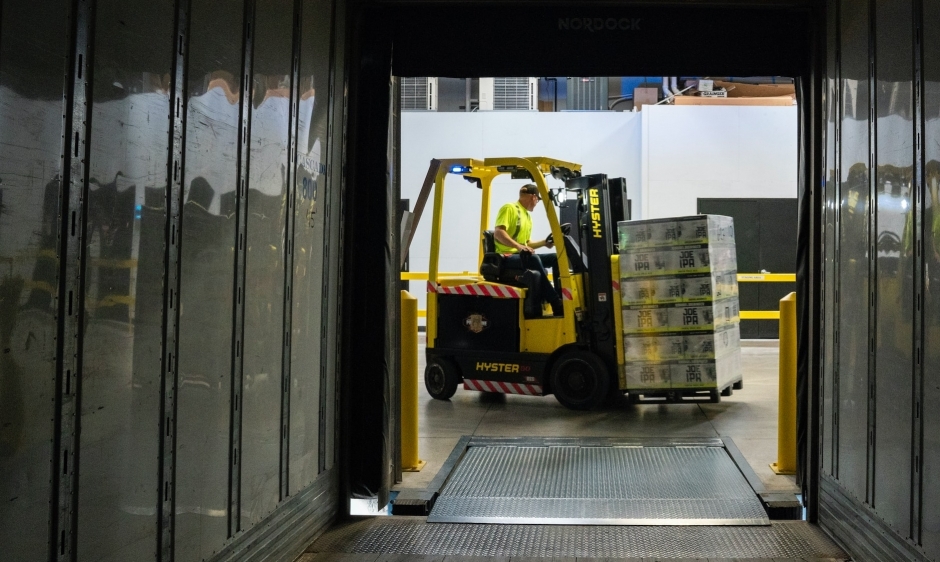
{"type": "Point", "coordinates": [492, 332]}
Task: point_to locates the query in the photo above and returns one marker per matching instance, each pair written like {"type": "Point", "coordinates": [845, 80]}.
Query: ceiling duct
{"type": "Point", "coordinates": [587, 94]}
{"type": "Point", "coordinates": [509, 94]}
{"type": "Point", "coordinates": [419, 93]}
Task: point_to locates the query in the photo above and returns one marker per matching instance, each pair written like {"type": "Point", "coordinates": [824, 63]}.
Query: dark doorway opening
{"type": "Point", "coordinates": [766, 243]}
{"type": "Point", "coordinates": [528, 39]}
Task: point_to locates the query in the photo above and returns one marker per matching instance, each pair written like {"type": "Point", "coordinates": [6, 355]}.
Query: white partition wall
{"type": "Point", "coordinates": [716, 151]}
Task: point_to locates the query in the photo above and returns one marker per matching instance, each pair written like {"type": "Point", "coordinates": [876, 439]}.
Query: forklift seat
{"type": "Point", "coordinates": [493, 271]}
{"type": "Point", "coordinates": [489, 242]}
{"type": "Point", "coordinates": [492, 268]}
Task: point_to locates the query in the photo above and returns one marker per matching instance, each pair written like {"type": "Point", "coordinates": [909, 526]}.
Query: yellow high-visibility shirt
{"type": "Point", "coordinates": [515, 218]}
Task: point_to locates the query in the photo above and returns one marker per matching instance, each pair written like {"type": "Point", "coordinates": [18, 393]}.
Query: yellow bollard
{"type": "Point", "coordinates": [409, 384]}
{"type": "Point", "coordinates": [786, 420]}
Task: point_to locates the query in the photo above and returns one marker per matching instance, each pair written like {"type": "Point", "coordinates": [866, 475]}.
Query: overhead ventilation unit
{"type": "Point", "coordinates": [419, 94]}
{"type": "Point", "coordinates": [587, 93]}
{"type": "Point", "coordinates": [519, 94]}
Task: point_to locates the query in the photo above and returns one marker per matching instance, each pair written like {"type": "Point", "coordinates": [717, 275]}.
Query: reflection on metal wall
{"type": "Point", "coordinates": [164, 229]}
{"type": "Point", "coordinates": [929, 282]}
{"type": "Point", "coordinates": [126, 214]}
{"type": "Point", "coordinates": [894, 274]}
{"type": "Point", "coordinates": [828, 374]}
{"type": "Point", "coordinates": [310, 210]}
{"type": "Point", "coordinates": [880, 453]}
{"type": "Point", "coordinates": [33, 39]}
{"type": "Point", "coordinates": [853, 258]}
{"type": "Point", "coordinates": [207, 256]}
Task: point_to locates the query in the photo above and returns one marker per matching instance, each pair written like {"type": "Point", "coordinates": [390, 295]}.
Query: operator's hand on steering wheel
{"type": "Point", "coordinates": [550, 239]}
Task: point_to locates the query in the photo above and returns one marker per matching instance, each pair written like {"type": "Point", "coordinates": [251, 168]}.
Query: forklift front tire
{"type": "Point", "coordinates": [441, 378]}
{"type": "Point", "coordinates": [580, 380]}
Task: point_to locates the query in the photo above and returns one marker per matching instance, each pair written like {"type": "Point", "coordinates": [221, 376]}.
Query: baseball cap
{"type": "Point", "coordinates": [531, 189]}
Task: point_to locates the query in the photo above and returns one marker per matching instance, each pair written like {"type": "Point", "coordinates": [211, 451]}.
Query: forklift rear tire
{"type": "Point", "coordinates": [441, 378]}
{"type": "Point", "coordinates": [714, 396]}
{"type": "Point", "coordinates": [580, 380]}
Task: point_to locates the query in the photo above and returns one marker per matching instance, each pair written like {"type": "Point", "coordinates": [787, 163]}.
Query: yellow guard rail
{"type": "Point", "coordinates": [742, 278]}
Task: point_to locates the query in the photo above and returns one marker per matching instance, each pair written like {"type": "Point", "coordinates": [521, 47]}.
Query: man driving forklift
{"type": "Point", "coordinates": [488, 331]}
{"type": "Point", "coordinates": [512, 234]}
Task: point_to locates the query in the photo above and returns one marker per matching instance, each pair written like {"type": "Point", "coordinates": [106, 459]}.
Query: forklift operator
{"type": "Point", "coordinates": [512, 232]}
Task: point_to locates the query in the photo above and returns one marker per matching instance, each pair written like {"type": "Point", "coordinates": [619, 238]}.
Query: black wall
{"type": "Point", "coordinates": [779, 38]}
{"type": "Point", "coordinates": [766, 240]}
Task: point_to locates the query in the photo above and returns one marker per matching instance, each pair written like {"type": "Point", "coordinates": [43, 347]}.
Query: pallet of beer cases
{"type": "Point", "coordinates": [679, 304]}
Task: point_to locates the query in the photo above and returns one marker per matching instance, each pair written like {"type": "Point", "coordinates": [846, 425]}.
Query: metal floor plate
{"type": "Point", "coordinates": [413, 536]}
{"type": "Point", "coordinates": [578, 485]}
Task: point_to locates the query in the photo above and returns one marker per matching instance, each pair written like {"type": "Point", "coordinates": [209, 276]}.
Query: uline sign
{"type": "Point", "coordinates": [599, 24]}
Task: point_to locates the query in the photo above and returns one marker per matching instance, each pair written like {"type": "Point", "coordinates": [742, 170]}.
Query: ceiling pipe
{"type": "Point", "coordinates": [674, 86]}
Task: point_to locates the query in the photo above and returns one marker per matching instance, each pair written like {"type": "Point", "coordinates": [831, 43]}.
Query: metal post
{"type": "Point", "coordinates": [409, 384]}
{"type": "Point", "coordinates": [786, 420]}
{"type": "Point", "coordinates": [240, 246]}
{"type": "Point", "coordinates": [172, 245]}
{"type": "Point", "coordinates": [485, 185]}
{"type": "Point", "coordinates": [290, 222]}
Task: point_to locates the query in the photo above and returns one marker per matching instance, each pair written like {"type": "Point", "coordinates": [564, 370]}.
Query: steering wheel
{"type": "Point", "coordinates": [565, 229]}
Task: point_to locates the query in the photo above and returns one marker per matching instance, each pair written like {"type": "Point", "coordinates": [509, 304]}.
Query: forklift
{"type": "Point", "coordinates": [492, 333]}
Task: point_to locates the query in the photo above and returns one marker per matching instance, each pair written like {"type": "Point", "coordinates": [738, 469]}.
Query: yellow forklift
{"type": "Point", "coordinates": [490, 331]}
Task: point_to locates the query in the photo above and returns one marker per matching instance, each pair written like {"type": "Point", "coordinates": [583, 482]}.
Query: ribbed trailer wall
{"type": "Point", "coordinates": [170, 246]}
{"type": "Point", "coordinates": [169, 242]}
{"type": "Point", "coordinates": [880, 383]}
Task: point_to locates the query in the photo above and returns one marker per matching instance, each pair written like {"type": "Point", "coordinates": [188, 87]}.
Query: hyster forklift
{"type": "Point", "coordinates": [492, 332]}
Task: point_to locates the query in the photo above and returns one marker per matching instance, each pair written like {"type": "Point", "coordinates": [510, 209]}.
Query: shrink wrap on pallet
{"type": "Point", "coordinates": [698, 229]}
{"type": "Point", "coordinates": [684, 374]}
{"type": "Point", "coordinates": [680, 317]}
{"type": "Point", "coordinates": [675, 346]}
{"type": "Point", "coordinates": [679, 303]}
{"type": "Point", "coordinates": [707, 373]}
{"type": "Point", "coordinates": [648, 374]}
{"type": "Point", "coordinates": [677, 260]}
{"type": "Point", "coordinates": [701, 287]}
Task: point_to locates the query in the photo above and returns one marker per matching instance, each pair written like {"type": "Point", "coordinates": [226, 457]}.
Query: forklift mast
{"type": "Point", "coordinates": [595, 233]}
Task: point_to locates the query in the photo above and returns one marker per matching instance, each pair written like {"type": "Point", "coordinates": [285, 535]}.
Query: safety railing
{"type": "Point", "coordinates": [764, 278]}
{"type": "Point", "coordinates": [742, 278]}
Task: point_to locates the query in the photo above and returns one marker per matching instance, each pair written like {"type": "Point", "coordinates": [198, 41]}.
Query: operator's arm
{"type": "Point", "coordinates": [541, 244]}
{"type": "Point", "coordinates": [502, 235]}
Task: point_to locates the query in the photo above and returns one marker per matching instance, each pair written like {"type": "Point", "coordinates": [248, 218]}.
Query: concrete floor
{"type": "Point", "coordinates": [749, 417]}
